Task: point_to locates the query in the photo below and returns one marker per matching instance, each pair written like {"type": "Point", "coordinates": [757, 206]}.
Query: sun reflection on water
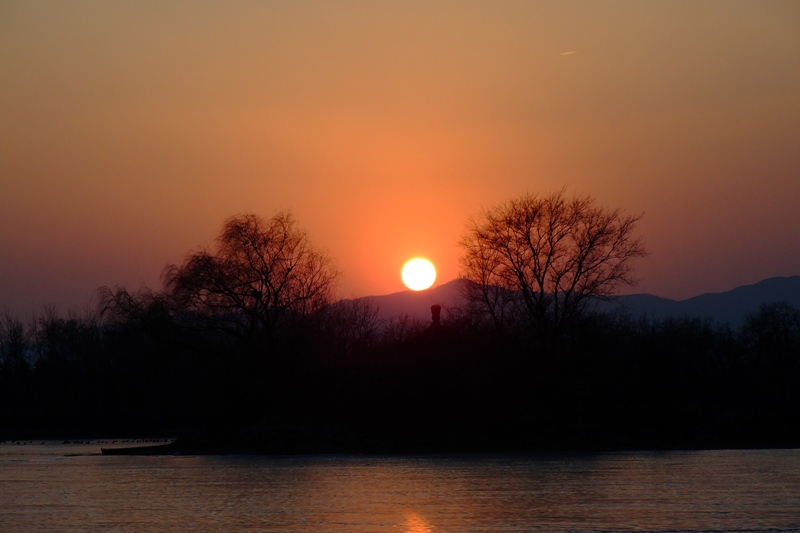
{"type": "Point", "coordinates": [416, 524]}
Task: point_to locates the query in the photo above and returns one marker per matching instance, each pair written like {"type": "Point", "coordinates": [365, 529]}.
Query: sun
{"type": "Point", "coordinates": [418, 274]}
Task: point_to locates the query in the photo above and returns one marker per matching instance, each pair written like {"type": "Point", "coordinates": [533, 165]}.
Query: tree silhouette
{"type": "Point", "coordinates": [14, 343]}
{"type": "Point", "coordinates": [773, 332]}
{"type": "Point", "coordinates": [260, 272]}
{"type": "Point", "coordinates": [537, 261]}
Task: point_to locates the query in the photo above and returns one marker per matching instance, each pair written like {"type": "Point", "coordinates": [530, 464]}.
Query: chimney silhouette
{"type": "Point", "coordinates": [436, 310]}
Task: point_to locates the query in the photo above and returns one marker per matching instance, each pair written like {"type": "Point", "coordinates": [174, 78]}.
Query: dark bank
{"type": "Point", "coordinates": [442, 386]}
{"type": "Point", "coordinates": [245, 350]}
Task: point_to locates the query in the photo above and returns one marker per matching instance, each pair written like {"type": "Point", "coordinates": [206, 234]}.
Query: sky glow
{"type": "Point", "coordinates": [129, 131]}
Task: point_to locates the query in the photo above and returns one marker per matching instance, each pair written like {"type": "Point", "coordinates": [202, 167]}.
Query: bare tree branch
{"type": "Point", "coordinates": [552, 253]}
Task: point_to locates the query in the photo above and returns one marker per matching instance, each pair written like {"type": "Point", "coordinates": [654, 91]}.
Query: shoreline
{"type": "Point", "coordinates": [188, 447]}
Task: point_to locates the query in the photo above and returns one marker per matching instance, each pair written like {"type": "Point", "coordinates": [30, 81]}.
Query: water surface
{"type": "Point", "coordinates": [57, 487]}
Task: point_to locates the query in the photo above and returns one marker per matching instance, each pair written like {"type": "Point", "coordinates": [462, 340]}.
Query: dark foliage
{"type": "Point", "coordinates": [245, 350]}
{"type": "Point", "coordinates": [340, 380]}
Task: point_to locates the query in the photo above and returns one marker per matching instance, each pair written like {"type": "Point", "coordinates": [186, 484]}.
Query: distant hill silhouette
{"type": "Point", "coordinates": [417, 304]}
{"type": "Point", "coordinates": [725, 307]}
{"type": "Point", "coordinates": [731, 306]}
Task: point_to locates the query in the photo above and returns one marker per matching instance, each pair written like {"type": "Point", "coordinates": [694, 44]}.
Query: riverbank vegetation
{"type": "Point", "coordinates": [617, 382]}
{"type": "Point", "coordinates": [246, 349]}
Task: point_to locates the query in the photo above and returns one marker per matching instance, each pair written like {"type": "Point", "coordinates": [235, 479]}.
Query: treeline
{"type": "Point", "coordinates": [245, 347]}
{"type": "Point", "coordinates": [341, 380]}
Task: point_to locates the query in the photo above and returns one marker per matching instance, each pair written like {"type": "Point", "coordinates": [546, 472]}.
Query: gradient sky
{"type": "Point", "coordinates": [129, 130]}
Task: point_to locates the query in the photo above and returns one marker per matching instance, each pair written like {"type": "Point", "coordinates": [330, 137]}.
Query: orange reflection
{"type": "Point", "coordinates": [417, 524]}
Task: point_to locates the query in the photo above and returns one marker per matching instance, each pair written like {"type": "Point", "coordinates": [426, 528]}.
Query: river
{"type": "Point", "coordinates": [71, 487]}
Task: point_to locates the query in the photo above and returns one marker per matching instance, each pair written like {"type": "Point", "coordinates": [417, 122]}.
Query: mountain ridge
{"type": "Point", "coordinates": [729, 307]}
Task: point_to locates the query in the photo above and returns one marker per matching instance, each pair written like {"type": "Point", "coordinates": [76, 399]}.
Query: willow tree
{"type": "Point", "coordinates": [539, 260]}
{"type": "Point", "coordinates": [261, 273]}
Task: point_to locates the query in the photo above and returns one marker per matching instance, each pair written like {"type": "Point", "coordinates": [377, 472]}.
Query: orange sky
{"type": "Point", "coordinates": [130, 130]}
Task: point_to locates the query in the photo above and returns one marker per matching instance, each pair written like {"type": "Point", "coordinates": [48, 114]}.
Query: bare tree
{"type": "Point", "coordinates": [260, 272]}
{"type": "Point", "coordinates": [145, 307]}
{"type": "Point", "coordinates": [14, 343]}
{"type": "Point", "coordinates": [541, 259]}
{"type": "Point", "coordinates": [352, 327]}
{"type": "Point", "coordinates": [773, 332]}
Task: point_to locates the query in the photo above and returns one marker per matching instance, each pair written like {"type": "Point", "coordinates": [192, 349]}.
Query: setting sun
{"type": "Point", "coordinates": [418, 274]}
